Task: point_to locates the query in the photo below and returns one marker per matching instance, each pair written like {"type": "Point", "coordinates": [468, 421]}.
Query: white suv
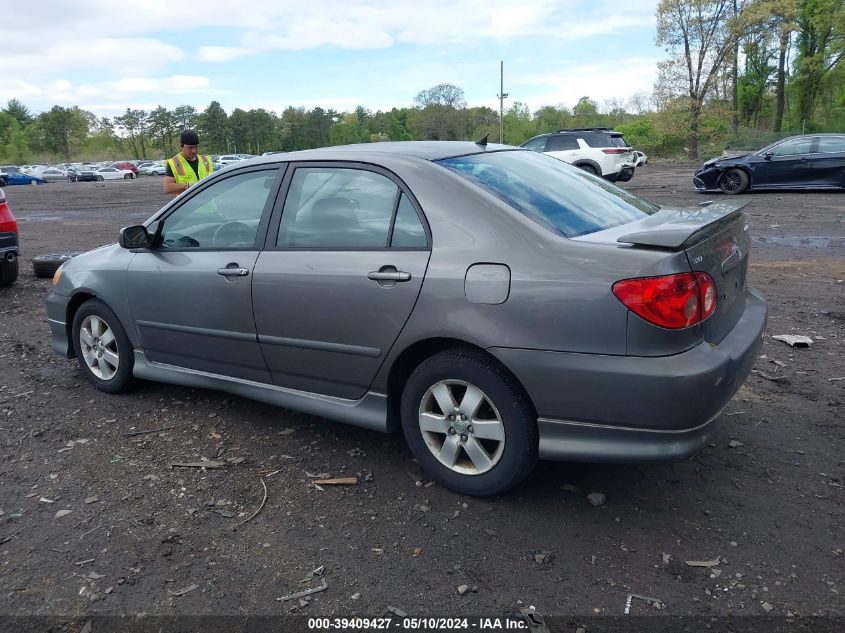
{"type": "Point", "coordinates": [598, 150]}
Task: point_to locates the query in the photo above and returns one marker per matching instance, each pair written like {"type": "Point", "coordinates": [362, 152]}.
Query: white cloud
{"type": "Point", "coordinates": [599, 81]}
{"type": "Point", "coordinates": [220, 54]}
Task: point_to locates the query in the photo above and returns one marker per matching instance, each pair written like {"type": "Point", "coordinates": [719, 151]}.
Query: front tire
{"type": "Point", "coordinates": [589, 169]}
{"type": "Point", "coordinates": [100, 179]}
{"type": "Point", "coordinates": [469, 423]}
{"type": "Point", "coordinates": [733, 181]}
{"type": "Point", "coordinates": [102, 347]}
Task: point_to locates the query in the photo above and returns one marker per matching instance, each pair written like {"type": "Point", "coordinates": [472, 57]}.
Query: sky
{"type": "Point", "coordinates": [107, 55]}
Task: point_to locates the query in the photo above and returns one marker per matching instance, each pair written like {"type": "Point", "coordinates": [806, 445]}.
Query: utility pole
{"type": "Point", "coordinates": [502, 96]}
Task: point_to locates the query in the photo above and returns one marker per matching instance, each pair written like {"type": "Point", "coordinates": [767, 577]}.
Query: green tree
{"type": "Point", "coordinates": [699, 35]}
{"type": "Point", "coordinates": [239, 130]}
{"type": "Point", "coordinates": [213, 124]}
{"type": "Point", "coordinates": [134, 123]}
{"type": "Point", "coordinates": [161, 128]}
{"type": "Point", "coordinates": [62, 131]}
{"type": "Point", "coordinates": [19, 112]}
{"type": "Point", "coordinates": [261, 127]}
{"type": "Point", "coordinates": [441, 113]}
{"type": "Point", "coordinates": [184, 118]}
{"type": "Point", "coordinates": [821, 46]}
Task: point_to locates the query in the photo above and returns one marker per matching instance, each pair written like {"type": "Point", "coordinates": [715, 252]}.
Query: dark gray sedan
{"type": "Point", "coordinates": [498, 305]}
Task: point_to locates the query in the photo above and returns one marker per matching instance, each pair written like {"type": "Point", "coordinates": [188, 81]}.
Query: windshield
{"type": "Point", "coordinates": [560, 197]}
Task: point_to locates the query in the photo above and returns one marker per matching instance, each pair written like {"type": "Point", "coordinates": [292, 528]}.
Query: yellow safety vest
{"type": "Point", "coordinates": [182, 171]}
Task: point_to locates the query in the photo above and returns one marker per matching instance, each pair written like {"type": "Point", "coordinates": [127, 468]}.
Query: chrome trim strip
{"type": "Point", "coordinates": [322, 346]}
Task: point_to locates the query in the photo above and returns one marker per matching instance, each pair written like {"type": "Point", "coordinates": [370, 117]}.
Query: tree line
{"type": "Point", "coordinates": [739, 73]}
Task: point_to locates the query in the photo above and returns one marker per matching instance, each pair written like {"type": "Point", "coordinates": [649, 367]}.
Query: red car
{"type": "Point", "coordinates": [128, 166]}
{"type": "Point", "coordinates": [9, 246]}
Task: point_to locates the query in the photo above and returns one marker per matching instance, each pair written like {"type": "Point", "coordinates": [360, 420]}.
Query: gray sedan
{"type": "Point", "coordinates": [496, 304]}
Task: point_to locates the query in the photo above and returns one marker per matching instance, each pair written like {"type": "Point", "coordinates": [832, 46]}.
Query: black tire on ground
{"type": "Point", "coordinates": [733, 181]}
{"type": "Point", "coordinates": [519, 453]}
{"type": "Point", "coordinates": [100, 179]}
{"type": "Point", "coordinates": [45, 266]}
{"type": "Point", "coordinates": [33, 182]}
{"type": "Point", "coordinates": [127, 176]}
{"type": "Point", "coordinates": [8, 272]}
{"type": "Point", "coordinates": [119, 345]}
{"type": "Point", "coordinates": [589, 169]}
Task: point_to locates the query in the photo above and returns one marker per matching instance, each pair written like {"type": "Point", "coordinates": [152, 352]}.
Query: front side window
{"type": "Point", "coordinates": [222, 216]}
{"type": "Point", "coordinates": [333, 207]}
{"type": "Point", "coordinates": [560, 197]}
{"type": "Point", "coordinates": [536, 144]}
{"type": "Point", "coordinates": [793, 147]}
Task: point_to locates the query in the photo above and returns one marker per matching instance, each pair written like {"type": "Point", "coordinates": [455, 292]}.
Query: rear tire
{"type": "Point", "coordinates": [488, 451]}
{"type": "Point", "coordinates": [8, 272]}
{"type": "Point", "coordinates": [102, 347]}
{"type": "Point", "coordinates": [45, 266]}
{"type": "Point", "coordinates": [733, 181]}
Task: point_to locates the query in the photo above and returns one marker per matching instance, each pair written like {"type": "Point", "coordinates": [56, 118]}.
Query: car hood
{"type": "Point", "coordinates": [722, 159]}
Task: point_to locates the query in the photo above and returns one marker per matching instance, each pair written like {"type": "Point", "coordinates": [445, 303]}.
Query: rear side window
{"type": "Point", "coordinates": [559, 197]}
{"type": "Point", "coordinates": [831, 144]}
{"type": "Point", "coordinates": [597, 139]}
{"type": "Point", "coordinates": [618, 140]}
{"type": "Point", "coordinates": [562, 142]}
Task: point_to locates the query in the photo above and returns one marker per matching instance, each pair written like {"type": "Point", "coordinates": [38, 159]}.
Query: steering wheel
{"type": "Point", "coordinates": [230, 234]}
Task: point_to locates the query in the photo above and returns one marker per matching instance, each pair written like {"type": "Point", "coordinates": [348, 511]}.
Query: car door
{"type": "Point", "coordinates": [564, 147]}
{"type": "Point", "coordinates": [828, 162]}
{"type": "Point", "coordinates": [191, 295]}
{"type": "Point", "coordinates": [784, 165]}
{"type": "Point", "coordinates": [339, 277]}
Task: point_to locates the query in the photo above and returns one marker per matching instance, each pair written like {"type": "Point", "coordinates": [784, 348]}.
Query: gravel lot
{"type": "Point", "coordinates": [764, 497]}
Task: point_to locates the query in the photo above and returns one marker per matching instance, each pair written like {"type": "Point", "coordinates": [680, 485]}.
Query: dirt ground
{"type": "Point", "coordinates": [764, 499]}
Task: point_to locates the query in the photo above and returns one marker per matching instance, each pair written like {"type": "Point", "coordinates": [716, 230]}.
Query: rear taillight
{"type": "Point", "coordinates": [615, 150]}
{"type": "Point", "coordinates": [7, 222]}
{"type": "Point", "coordinates": [672, 301]}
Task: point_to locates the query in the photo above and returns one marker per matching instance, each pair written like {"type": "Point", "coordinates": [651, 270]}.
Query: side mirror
{"type": "Point", "coordinates": [134, 237]}
{"type": "Point", "coordinates": [768, 155]}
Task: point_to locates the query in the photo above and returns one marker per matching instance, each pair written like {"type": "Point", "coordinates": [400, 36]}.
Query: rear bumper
{"type": "Point", "coordinates": [9, 245]}
{"type": "Point", "coordinates": [623, 175]}
{"type": "Point", "coordinates": [629, 408]}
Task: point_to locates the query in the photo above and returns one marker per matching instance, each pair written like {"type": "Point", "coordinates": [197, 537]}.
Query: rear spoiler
{"type": "Point", "coordinates": [680, 226]}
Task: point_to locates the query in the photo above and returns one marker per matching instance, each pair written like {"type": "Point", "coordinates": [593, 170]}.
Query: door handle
{"type": "Point", "coordinates": [396, 275]}
{"type": "Point", "coordinates": [232, 270]}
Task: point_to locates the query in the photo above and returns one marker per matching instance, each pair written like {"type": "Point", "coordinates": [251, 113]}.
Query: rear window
{"type": "Point", "coordinates": [562, 198]}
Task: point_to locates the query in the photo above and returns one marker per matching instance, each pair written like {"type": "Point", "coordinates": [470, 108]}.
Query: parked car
{"type": "Point", "coordinates": [639, 158]}
{"type": "Point", "coordinates": [599, 151]}
{"type": "Point", "coordinates": [53, 174]}
{"type": "Point", "coordinates": [5, 170]}
{"type": "Point", "coordinates": [495, 304]}
{"type": "Point", "coordinates": [113, 173]}
{"type": "Point", "coordinates": [24, 178]}
{"type": "Point", "coordinates": [226, 160]}
{"type": "Point", "coordinates": [3, 181]}
{"type": "Point", "coordinates": [154, 169]}
{"type": "Point", "coordinates": [127, 166]}
{"type": "Point", "coordinates": [82, 173]}
{"type": "Point", "coordinates": [9, 243]}
{"type": "Point", "coordinates": [807, 161]}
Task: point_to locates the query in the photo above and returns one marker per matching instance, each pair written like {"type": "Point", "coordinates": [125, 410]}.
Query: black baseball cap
{"type": "Point", "coordinates": [189, 137]}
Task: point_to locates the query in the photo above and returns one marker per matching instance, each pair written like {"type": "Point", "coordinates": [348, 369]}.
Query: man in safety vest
{"type": "Point", "coordinates": [187, 167]}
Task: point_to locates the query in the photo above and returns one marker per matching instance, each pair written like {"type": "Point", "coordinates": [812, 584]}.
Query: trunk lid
{"type": "Point", "coordinates": [715, 240]}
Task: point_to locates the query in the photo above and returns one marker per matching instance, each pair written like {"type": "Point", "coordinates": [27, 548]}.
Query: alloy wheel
{"type": "Point", "coordinates": [461, 427]}
{"type": "Point", "coordinates": [99, 347]}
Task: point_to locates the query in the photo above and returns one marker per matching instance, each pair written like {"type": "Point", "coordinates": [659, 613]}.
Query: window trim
{"type": "Point", "coordinates": [261, 230]}
{"type": "Point", "coordinates": [818, 145]}
{"type": "Point", "coordinates": [275, 221]}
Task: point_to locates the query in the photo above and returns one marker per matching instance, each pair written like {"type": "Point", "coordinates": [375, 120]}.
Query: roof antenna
{"type": "Point", "coordinates": [483, 140]}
